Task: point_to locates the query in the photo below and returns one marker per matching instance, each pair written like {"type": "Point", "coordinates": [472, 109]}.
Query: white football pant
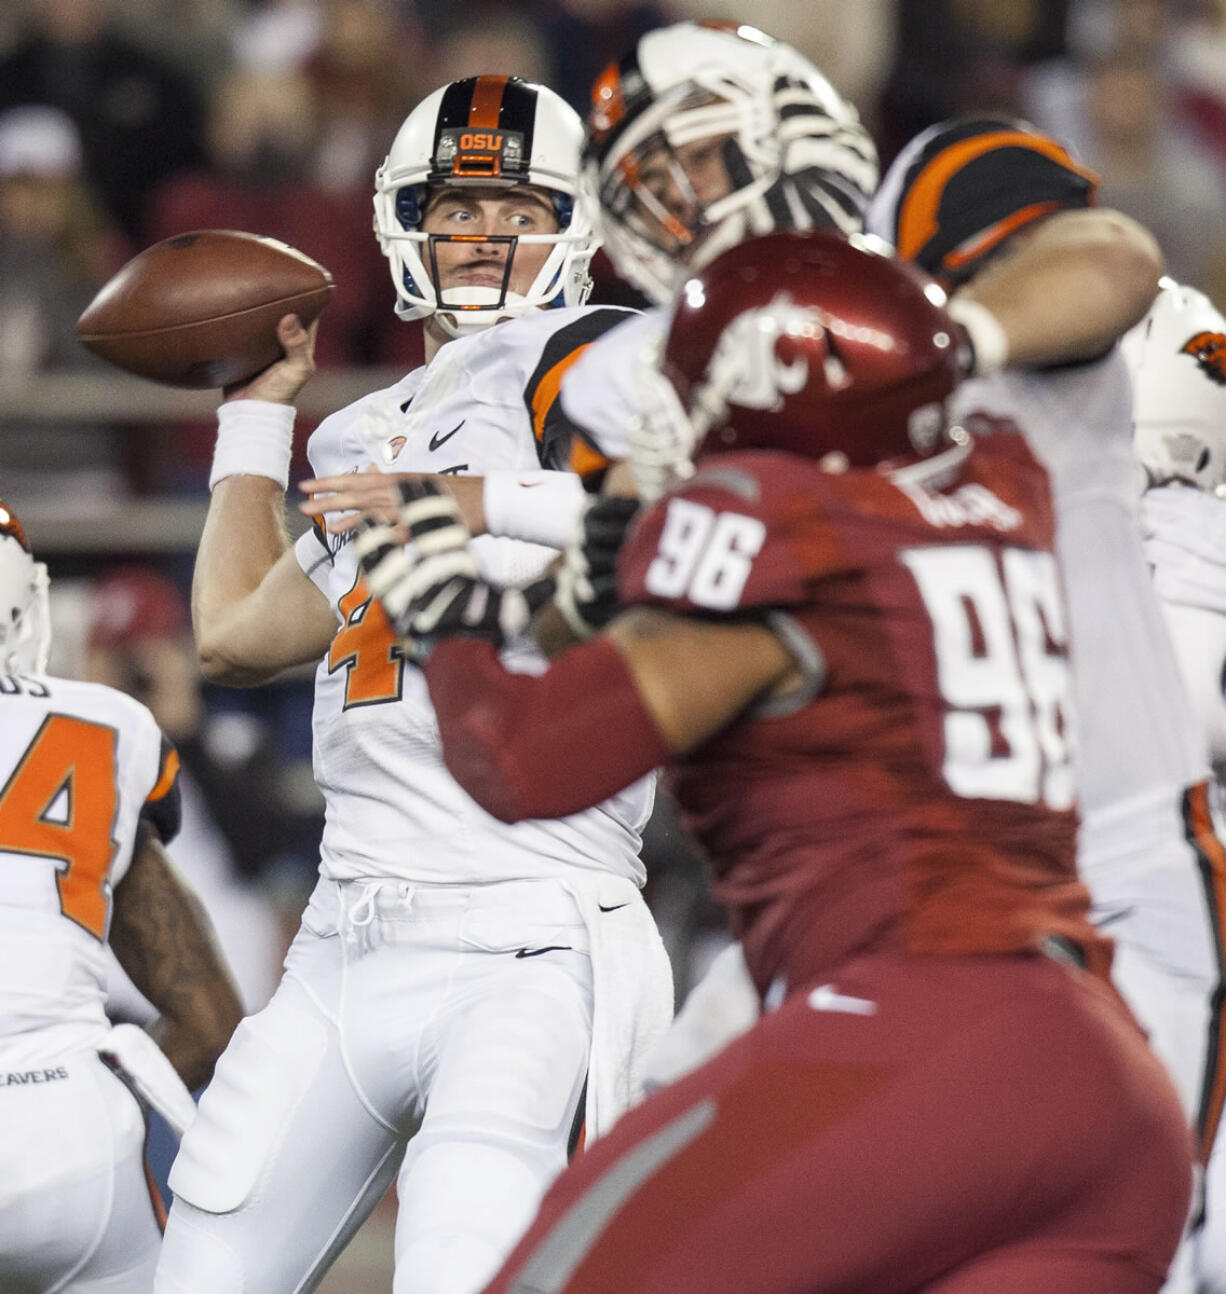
{"type": "Point", "coordinates": [76, 1212]}
{"type": "Point", "coordinates": [460, 1017]}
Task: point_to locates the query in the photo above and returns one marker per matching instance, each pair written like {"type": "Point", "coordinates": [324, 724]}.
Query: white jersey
{"type": "Point", "coordinates": [486, 403]}
{"type": "Point", "coordinates": [1185, 541]}
{"type": "Point", "coordinates": [80, 764]}
{"type": "Point", "coordinates": [1138, 742]}
{"type": "Point", "coordinates": [601, 393]}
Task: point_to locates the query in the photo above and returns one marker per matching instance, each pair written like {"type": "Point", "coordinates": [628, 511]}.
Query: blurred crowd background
{"type": "Point", "coordinates": [122, 123]}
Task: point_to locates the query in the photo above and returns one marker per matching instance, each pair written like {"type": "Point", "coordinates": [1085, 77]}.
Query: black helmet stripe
{"type": "Point", "coordinates": [518, 111]}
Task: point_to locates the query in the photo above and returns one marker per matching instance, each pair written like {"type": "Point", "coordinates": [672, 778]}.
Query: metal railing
{"type": "Point", "coordinates": [153, 524]}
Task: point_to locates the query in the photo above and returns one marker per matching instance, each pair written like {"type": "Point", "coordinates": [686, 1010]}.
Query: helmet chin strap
{"type": "Point", "coordinates": [485, 302]}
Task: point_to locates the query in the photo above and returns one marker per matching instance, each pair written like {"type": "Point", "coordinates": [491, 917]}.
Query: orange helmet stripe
{"type": "Point", "coordinates": [487, 101]}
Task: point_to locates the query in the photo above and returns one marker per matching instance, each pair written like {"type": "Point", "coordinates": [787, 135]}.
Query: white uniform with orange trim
{"type": "Point", "coordinates": [79, 765]}
{"type": "Point", "coordinates": [1185, 542]}
{"type": "Point", "coordinates": [456, 980]}
{"type": "Point", "coordinates": [1145, 847]}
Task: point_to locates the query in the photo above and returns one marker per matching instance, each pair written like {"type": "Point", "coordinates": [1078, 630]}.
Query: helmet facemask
{"type": "Point", "coordinates": [788, 163]}
{"type": "Point", "coordinates": [413, 253]}
{"type": "Point", "coordinates": [25, 614]}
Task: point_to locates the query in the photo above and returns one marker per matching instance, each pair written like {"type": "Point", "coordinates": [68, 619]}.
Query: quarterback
{"type": "Point", "coordinates": [464, 997]}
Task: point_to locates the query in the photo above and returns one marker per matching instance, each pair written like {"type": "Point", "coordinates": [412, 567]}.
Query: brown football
{"type": "Point", "coordinates": [201, 309]}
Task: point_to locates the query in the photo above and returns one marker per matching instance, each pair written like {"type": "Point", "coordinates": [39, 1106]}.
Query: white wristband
{"type": "Point", "coordinates": [540, 507]}
{"type": "Point", "coordinates": [254, 438]}
{"type": "Point", "coordinates": [988, 339]}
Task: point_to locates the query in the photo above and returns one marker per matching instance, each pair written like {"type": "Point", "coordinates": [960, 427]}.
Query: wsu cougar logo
{"type": "Point", "coordinates": [747, 369]}
{"type": "Point", "coordinates": [1209, 351]}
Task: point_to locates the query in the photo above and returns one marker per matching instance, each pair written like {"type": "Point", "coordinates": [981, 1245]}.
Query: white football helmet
{"type": "Point", "coordinates": [487, 132]}
{"type": "Point", "coordinates": [794, 150]}
{"type": "Point", "coordinates": [1177, 356]}
{"type": "Point", "coordinates": [25, 616]}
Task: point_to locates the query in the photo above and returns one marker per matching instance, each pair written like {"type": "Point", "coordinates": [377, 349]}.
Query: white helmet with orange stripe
{"type": "Point", "coordinates": [492, 133]}
{"type": "Point", "coordinates": [25, 619]}
{"type": "Point", "coordinates": [709, 133]}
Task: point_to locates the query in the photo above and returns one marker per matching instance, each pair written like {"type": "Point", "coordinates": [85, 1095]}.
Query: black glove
{"type": "Point", "coordinates": [587, 580]}
{"type": "Point", "coordinates": [430, 585]}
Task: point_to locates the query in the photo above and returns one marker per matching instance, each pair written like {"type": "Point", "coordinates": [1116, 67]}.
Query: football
{"type": "Point", "coordinates": [201, 309]}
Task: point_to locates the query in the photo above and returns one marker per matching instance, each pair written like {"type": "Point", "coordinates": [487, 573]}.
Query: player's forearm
{"type": "Point", "coordinates": [164, 940]}
{"type": "Point", "coordinates": [243, 539]}
{"type": "Point", "coordinates": [1071, 288]}
{"type": "Point", "coordinates": [544, 746]}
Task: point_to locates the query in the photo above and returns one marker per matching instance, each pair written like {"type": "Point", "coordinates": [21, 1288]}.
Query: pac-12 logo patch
{"type": "Point", "coordinates": [1209, 351]}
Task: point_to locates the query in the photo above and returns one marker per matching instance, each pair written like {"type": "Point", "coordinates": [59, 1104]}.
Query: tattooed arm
{"type": "Point", "coordinates": [164, 939]}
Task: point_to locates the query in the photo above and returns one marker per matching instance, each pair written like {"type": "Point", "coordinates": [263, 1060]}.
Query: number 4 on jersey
{"type": "Point", "coordinates": [60, 803]}
{"type": "Point", "coordinates": [366, 646]}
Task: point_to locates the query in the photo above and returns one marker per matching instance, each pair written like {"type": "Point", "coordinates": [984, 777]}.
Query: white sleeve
{"type": "Point", "coordinates": [539, 507]}
{"type": "Point", "coordinates": [600, 391]}
{"type": "Point", "coordinates": [1199, 639]}
{"type": "Point", "coordinates": [315, 559]}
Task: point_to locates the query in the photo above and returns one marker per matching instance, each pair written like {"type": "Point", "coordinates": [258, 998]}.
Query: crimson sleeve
{"type": "Point", "coordinates": [541, 746]}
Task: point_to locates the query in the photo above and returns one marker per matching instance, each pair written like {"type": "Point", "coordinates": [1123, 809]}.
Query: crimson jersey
{"type": "Point", "coordinates": [917, 793]}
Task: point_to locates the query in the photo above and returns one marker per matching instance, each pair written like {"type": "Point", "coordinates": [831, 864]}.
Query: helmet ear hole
{"type": "Point", "coordinates": [409, 207]}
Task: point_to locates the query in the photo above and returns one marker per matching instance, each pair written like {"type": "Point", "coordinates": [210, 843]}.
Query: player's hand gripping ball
{"type": "Point", "coordinates": [201, 310]}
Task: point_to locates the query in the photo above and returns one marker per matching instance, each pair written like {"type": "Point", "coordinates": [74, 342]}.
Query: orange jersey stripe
{"type": "Point", "coordinates": [583, 458]}
{"type": "Point", "coordinates": [170, 770]}
{"type": "Point", "coordinates": [1201, 834]}
{"type": "Point", "coordinates": [917, 217]}
{"type": "Point", "coordinates": [547, 390]}
{"type": "Point", "coordinates": [997, 233]}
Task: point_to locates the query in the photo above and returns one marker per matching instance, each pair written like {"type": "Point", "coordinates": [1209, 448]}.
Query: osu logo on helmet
{"type": "Point", "coordinates": [1209, 351]}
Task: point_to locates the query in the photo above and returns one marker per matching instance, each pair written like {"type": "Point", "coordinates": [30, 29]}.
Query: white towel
{"type": "Point", "coordinates": [632, 993]}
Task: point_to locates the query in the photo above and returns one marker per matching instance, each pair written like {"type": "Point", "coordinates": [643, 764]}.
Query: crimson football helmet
{"type": "Point", "coordinates": [809, 343]}
{"type": "Point", "coordinates": [707, 133]}
{"type": "Point", "coordinates": [484, 132]}
{"type": "Point", "coordinates": [25, 618]}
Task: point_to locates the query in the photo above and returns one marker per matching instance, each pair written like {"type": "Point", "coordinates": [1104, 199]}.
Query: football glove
{"type": "Point", "coordinates": [587, 579]}
{"type": "Point", "coordinates": [430, 585]}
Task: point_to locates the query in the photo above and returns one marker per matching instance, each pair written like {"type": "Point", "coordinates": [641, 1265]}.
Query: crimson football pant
{"type": "Point", "coordinates": [990, 1125]}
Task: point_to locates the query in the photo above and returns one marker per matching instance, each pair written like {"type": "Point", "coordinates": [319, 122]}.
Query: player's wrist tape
{"type": "Point", "coordinates": [540, 507]}
{"type": "Point", "coordinates": [254, 438]}
{"type": "Point", "coordinates": [989, 344]}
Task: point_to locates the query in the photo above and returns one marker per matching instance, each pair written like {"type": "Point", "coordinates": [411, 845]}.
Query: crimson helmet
{"type": "Point", "coordinates": [814, 344]}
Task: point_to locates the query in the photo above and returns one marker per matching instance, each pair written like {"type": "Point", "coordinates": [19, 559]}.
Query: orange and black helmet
{"type": "Point", "coordinates": [957, 191]}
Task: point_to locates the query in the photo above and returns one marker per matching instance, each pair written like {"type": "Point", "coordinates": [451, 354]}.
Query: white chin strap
{"type": "Point", "coordinates": [489, 307]}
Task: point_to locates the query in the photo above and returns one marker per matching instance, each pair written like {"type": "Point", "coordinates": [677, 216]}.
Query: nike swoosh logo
{"type": "Point", "coordinates": [530, 485]}
{"type": "Point", "coordinates": [438, 440]}
{"type": "Point", "coordinates": [536, 952]}
{"type": "Point", "coordinates": [453, 471]}
{"type": "Point", "coordinates": [827, 998]}
{"type": "Point", "coordinates": [617, 907]}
